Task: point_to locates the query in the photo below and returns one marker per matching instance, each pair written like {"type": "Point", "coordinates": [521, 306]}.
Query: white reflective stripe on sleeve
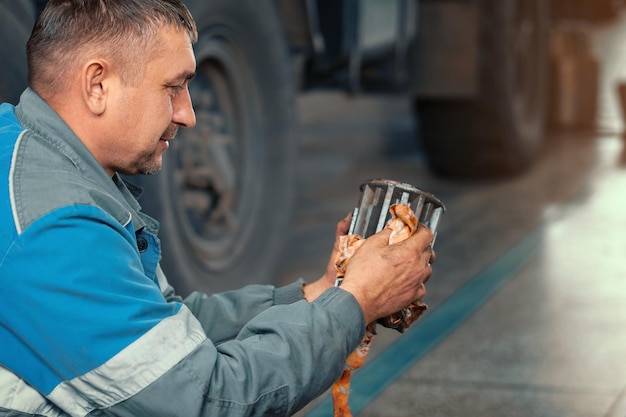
{"type": "Point", "coordinates": [134, 368]}
{"type": "Point", "coordinates": [17, 395]}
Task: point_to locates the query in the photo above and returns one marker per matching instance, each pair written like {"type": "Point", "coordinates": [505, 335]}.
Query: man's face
{"type": "Point", "coordinates": [148, 114]}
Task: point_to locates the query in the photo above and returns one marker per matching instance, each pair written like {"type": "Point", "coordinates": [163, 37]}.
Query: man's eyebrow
{"type": "Point", "coordinates": [183, 76]}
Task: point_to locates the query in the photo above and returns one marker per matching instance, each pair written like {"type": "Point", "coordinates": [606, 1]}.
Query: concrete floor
{"type": "Point", "coordinates": [552, 340]}
{"type": "Point", "coordinates": [528, 311]}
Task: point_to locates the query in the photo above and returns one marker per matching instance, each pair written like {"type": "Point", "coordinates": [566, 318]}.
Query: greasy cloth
{"type": "Point", "coordinates": [403, 223]}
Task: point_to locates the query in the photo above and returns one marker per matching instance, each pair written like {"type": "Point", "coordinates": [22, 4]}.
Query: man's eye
{"type": "Point", "coordinates": [175, 89]}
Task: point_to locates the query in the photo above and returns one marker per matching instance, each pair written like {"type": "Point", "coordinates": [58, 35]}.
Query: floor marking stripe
{"type": "Point", "coordinates": [428, 332]}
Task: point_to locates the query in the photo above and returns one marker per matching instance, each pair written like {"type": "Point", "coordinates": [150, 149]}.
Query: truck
{"type": "Point", "coordinates": [476, 72]}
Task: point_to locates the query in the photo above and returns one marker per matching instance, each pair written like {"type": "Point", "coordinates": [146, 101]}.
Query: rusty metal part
{"type": "Point", "coordinates": [378, 195]}
{"type": "Point", "coordinates": [372, 214]}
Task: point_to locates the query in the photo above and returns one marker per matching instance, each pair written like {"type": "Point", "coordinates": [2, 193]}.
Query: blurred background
{"type": "Point", "coordinates": [509, 111]}
{"type": "Point", "coordinates": [526, 301]}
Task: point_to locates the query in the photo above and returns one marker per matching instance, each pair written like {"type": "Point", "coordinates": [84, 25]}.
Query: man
{"type": "Point", "coordinates": [88, 322]}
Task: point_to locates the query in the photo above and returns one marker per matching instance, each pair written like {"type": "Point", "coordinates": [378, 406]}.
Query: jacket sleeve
{"type": "Point", "coordinates": [223, 315]}
{"type": "Point", "coordinates": [280, 361]}
{"type": "Point", "coordinates": [102, 338]}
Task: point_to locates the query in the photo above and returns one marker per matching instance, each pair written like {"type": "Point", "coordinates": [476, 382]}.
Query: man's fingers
{"type": "Point", "coordinates": [343, 225]}
{"type": "Point", "coordinates": [425, 233]}
{"type": "Point", "coordinates": [421, 239]}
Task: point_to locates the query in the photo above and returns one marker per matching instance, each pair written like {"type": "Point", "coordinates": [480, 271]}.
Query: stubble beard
{"type": "Point", "coordinates": [148, 163]}
{"type": "Point", "coordinates": [151, 163]}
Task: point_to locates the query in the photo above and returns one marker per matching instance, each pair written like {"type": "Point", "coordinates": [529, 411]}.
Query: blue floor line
{"type": "Point", "coordinates": [369, 381]}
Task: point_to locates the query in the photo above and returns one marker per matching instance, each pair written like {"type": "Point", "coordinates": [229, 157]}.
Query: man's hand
{"type": "Point", "coordinates": [383, 278]}
{"type": "Point", "coordinates": [386, 278]}
{"type": "Point", "coordinates": [313, 290]}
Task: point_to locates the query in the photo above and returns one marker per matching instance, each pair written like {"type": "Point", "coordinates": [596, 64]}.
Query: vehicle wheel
{"type": "Point", "coordinates": [224, 194]}
{"type": "Point", "coordinates": [17, 18]}
{"type": "Point", "coordinates": [500, 131]}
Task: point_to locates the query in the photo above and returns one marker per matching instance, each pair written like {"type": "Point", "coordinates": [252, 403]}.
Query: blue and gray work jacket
{"type": "Point", "coordinates": [89, 324]}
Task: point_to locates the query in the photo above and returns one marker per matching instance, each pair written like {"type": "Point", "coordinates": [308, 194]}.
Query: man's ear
{"type": "Point", "coordinates": [94, 85]}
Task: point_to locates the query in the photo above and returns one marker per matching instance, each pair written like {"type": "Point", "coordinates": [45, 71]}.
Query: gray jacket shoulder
{"type": "Point", "coordinates": [47, 174]}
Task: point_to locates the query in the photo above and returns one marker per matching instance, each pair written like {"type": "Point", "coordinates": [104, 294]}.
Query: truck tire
{"type": "Point", "coordinates": [500, 131]}
{"type": "Point", "coordinates": [17, 18]}
{"type": "Point", "coordinates": [224, 195]}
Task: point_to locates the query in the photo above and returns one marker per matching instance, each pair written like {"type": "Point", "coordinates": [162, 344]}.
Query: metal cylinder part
{"type": "Point", "coordinates": [378, 195]}
{"type": "Point", "coordinates": [372, 214]}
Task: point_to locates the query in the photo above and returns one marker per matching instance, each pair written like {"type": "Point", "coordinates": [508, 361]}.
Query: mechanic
{"type": "Point", "coordinates": [88, 322]}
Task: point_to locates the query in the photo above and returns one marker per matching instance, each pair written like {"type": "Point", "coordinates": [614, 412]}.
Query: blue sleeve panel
{"type": "Point", "coordinates": [67, 315]}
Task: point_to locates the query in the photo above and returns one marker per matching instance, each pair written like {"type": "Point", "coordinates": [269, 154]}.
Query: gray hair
{"type": "Point", "coordinates": [124, 31]}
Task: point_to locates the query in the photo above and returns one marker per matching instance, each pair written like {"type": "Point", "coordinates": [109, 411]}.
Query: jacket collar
{"type": "Point", "coordinates": [37, 116]}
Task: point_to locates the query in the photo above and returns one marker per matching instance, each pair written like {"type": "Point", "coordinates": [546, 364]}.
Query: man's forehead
{"type": "Point", "coordinates": [176, 60]}
{"type": "Point", "coordinates": [172, 41]}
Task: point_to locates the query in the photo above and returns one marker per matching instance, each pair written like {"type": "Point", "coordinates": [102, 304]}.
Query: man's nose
{"type": "Point", "coordinates": [183, 110]}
